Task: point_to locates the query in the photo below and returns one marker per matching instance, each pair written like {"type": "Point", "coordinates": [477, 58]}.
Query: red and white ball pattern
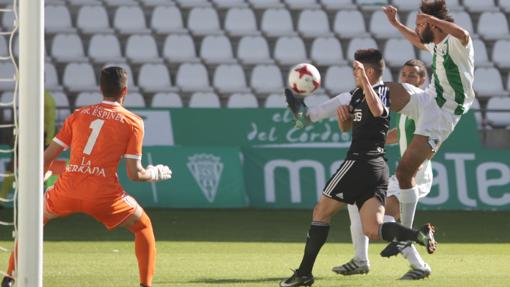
{"type": "Point", "coordinates": [304, 79]}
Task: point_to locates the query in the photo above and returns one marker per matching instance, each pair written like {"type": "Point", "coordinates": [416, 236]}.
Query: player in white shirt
{"type": "Point", "coordinates": [438, 109]}
{"type": "Point", "coordinates": [413, 72]}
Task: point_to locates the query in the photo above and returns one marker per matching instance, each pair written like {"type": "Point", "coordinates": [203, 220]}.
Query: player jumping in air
{"type": "Point", "coordinates": [362, 179]}
{"type": "Point", "coordinates": [99, 136]}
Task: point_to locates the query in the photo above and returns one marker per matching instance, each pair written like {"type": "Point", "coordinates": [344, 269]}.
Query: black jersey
{"type": "Point", "coordinates": [369, 132]}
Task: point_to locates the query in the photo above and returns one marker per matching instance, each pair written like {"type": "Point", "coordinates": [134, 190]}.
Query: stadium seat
{"type": "Point", "coordinates": [265, 4]}
{"type": "Point", "coordinates": [359, 43]}
{"type": "Point", "coordinates": [253, 50]}
{"type": "Point", "coordinates": [242, 101]}
{"type": "Point", "coordinates": [179, 49]}
{"type": "Point", "coordinates": [67, 48]}
{"type": "Point", "coordinates": [493, 26]}
{"type": "Point", "coordinates": [289, 51]}
{"type": "Point", "coordinates": [6, 113]}
{"type": "Point", "coordinates": [302, 4]}
{"type": "Point", "coordinates": [50, 77]}
{"type": "Point", "coordinates": [154, 3]}
{"type": "Point", "coordinates": [277, 22]}
{"type": "Point", "coordinates": [7, 21]}
{"type": "Point", "coordinates": [142, 49]}
{"type": "Point", "coordinates": [266, 79]}
{"type": "Point", "coordinates": [216, 50]}
{"type": "Point", "coordinates": [411, 19]}
{"type": "Point", "coordinates": [193, 77]}
{"type": "Point", "coordinates": [481, 56]}
{"type": "Point", "coordinates": [130, 20]}
{"type": "Point", "coordinates": [315, 100]}
{"type": "Point", "coordinates": [406, 5]}
{"type": "Point", "coordinates": [350, 24]}
{"type": "Point", "coordinates": [60, 98]}
{"type": "Point", "coordinates": [327, 51]}
{"type": "Point", "coordinates": [338, 4]}
{"type": "Point", "coordinates": [241, 22]}
{"type": "Point", "coordinates": [405, 51]}
{"type": "Point", "coordinates": [167, 19]}
{"type": "Point", "coordinates": [3, 47]}
{"type": "Point", "coordinates": [166, 100]}
{"type": "Point", "coordinates": [79, 2]}
{"type": "Point", "coordinates": [495, 117]}
{"type": "Point", "coordinates": [339, 79]}
{"type": "Point", "coordinates": [112, 3]}
{"type": "Point", "coordinates": [505, 5]}
{"type": "Point", "coordinates": [105, 48]}
{"type": "Point", "coordinates": [131, 83]}
{"type": "Point", "coordinates": [93, 19]}
{"type": "Point", "coordinates": [313, 23]}
{"type": "Point", "coordinates": [134, 100]}
{"type": "Point", "coordinates": [387, 75]}
{"type": "Point", "coordinates": [488, 83]}
{"type": "Point", "coordinates": [57, 19]}
{"type": "Point", "coordinates": [230, 79]}
{"type": "Point", "coordinates": [155, 78]}
{"type": "Point", "coordinates": [79, 77]}
{"type": "Point", "coordinates": [204, 100]}
{"type": "Point", "coordinates": [463, 19]}
{"type": "Point", "coordinates": [500, 54]}
{"type": "Point", "coordinates": [426, 57]}
{"type": "Point", "coordinates": [8, 76]}
{"type": "Point", "coordinates": [371, 5]}
{"type": "Point", "coordinates": [204, 21]}
{"type": "Point", "coordinates": [193, 3]}
{"type": "Point", "coordinates": [381, 28]}
{"type": "Point", "coordinates": [275, 101]}
{"type": "Point", "coordinates": [223, 4]}
{"type": "Point", "coordinates": [477, 6]}
{"type": "Point", "coordinates": [87, 99]}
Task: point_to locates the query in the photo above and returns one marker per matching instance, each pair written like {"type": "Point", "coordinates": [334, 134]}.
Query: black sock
{"type": "Point", "coordinates": [317, 236]}
{"type": "Point", "coordinates": [391, 231]}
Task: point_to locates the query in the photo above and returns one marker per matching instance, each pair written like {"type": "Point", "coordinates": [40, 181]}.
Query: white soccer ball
{"type": "Point", "coordinates": [304, 79]}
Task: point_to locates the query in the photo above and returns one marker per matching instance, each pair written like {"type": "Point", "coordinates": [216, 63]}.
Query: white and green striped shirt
{"type": "Point", "coordinates": [452, 74]}
{"type": "Point", "coordinates": [405, 131]}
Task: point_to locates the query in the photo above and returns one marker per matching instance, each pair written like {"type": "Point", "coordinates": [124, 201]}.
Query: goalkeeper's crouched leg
{"type": "Point", "coordinates": [145, 248]}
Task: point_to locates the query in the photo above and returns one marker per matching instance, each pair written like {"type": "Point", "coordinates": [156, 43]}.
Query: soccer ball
{"type": "Point", "coordinates": [304, 79]}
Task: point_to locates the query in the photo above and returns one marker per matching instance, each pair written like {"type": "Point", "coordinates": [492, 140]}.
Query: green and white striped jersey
{"type": "Point", "coordinates": [452, 74]}
{"type": "Point", "coordinates": [405, 131]}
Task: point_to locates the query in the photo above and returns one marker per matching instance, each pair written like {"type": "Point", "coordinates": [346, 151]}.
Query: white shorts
{"type": "Point", "coordinates": [431, 121]}
{"type": "Point", "coordinates": [424, 178]}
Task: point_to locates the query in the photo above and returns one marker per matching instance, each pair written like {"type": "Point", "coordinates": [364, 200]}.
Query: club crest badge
{"type": "Point", "coordinates": [207, 170]}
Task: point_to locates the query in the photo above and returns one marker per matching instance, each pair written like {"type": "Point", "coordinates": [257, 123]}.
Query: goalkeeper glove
{"type": "Point", "coordinates": [159, 172]}
{"type": "Point", "coordinates": [298, 108]}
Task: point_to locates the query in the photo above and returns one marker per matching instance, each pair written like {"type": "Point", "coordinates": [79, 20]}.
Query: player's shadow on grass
{"type": "Point", "coordinates": [236, 280]}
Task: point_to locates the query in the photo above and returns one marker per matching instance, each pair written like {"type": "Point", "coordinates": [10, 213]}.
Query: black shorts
{"type": "Point", "coordinates": [358, 180]}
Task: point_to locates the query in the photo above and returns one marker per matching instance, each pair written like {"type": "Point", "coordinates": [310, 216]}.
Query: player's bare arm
{"type": "Point", "coordinates": [392, 136]}
{"type": "Point", "coordinates": [410, 34]}
{"type": "Point", "coordinates": [447, 27]}
{"type": "Point", "coordinates": [136, 171]}
{"type": "Point", "coordinates": [374, 102]}
{"type": "Point", "coordinates": [50, 154]}
{"type": "Point", "coordinates": [343, 113]}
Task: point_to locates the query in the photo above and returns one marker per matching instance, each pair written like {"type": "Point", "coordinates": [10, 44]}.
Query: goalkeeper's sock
{"type": "Point", "coordinates": [317, 236]}
{"type": "Point", "coordinates": [145, 248]}
{"type": "Point", "coordinates": [408, 203]}
{"type": "Point", "coordinates": [12, 261]}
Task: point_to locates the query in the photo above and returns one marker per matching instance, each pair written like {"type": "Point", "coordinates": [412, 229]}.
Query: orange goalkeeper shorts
{"type": "Point", "coordinates": [109, 211]}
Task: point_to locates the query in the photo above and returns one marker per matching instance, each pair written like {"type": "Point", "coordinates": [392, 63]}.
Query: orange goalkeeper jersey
{"type": "Point", "coordinates": [98, 136]}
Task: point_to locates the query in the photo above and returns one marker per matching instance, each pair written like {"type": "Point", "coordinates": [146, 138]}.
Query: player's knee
{"type": "Point", "coordinates": [143, 222]}
{"type": "Point", "coordinates": [320, 213]}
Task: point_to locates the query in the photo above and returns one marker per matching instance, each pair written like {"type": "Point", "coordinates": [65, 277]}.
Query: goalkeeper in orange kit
{"type": "Point", "coordinates": [98, 137]}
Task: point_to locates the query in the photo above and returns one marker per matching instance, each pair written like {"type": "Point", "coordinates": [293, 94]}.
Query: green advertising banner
{"type": "Point", "coordinates": [209, 177]}
{"type": "Point", "coordinates": [466, 176]}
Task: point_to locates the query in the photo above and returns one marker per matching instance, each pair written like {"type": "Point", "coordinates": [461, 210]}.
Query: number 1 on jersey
{"type": "Point", "coordinates": [96, 128]}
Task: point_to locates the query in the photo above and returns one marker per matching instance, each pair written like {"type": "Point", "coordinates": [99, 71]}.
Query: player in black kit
{"type": "Point", "coordinates": [363, 177]}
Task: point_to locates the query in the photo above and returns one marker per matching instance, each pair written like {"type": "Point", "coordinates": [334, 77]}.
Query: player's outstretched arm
{"type": "Point", "coordinates": [343, 114]}
{"type": "Point", "coordinates": [136, 171]}
{"type": "Point", "coordinates": [50, 154]}
{"type": "Point", "coordinates": [447, 27]}
{"type": "Point", "coordinates": [410, 34]}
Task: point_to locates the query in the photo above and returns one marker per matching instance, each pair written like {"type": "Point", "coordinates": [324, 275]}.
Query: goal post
{"type": "Point", "coordinates": [31, 119]}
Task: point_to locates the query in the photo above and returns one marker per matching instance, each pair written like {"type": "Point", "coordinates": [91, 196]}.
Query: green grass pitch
{"type": "Point", "coordinates": [258, 247]}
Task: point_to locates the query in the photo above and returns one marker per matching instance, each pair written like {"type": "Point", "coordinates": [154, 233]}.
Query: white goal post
{"type": "Point", "coordinates": [31, 119]}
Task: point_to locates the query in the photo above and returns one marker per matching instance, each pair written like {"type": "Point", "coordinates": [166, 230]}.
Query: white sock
{"type": "Point", "coordinates": [359, 240]}
{"type": "Point", "coordinates": [411, 254]}
{"type": "Point", "coordinates": [408, 203]}
{"type": "Point", "coordinates": [389, 218]}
